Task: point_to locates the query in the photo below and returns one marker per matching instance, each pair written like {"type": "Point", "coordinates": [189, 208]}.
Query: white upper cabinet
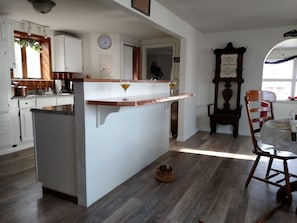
{"type": "Point", "coordinates": [68, 54]}
{"type": "Point", "coordinates": [3, 31]}
{"type": "Point", "coordinates": [10, 42]}
{"type": "Point", "coordinates": [4, 68]}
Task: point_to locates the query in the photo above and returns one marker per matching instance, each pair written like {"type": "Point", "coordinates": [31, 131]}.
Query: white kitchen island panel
{"type": "Point", "coordinates": [134, 133]}
{"type": "Point", "coordinates": [127, 142]}
{"type": "Point", "coordinates": [54, 142]}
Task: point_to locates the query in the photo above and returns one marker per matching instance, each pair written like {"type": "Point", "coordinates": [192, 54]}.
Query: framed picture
{"type": "Point", "coordinates": [143, 6]}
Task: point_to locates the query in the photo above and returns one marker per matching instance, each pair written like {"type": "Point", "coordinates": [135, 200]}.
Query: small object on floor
{"type": "Point", "coordinates": [164, 173]}
{"type": "Point", "coordinates": [195, 220]}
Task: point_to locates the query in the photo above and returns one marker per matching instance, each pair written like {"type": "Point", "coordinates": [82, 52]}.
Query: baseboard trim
{"type": "Point", "coordinates": [59, 194]}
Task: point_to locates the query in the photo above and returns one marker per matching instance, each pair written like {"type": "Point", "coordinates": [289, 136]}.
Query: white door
{"type": "Point", "coordinates": [127, 62]}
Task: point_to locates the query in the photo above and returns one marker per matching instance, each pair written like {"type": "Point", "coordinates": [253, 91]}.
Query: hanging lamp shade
{"type": "Point", "coordinates": [42, 6]}
{"type": "Point", "coordinates": [292, 33]}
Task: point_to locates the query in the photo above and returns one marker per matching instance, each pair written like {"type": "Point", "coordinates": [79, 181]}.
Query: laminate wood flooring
{"type": "Point", "coordinates": [208, 187]}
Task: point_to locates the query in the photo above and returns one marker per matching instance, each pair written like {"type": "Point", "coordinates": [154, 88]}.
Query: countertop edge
{"type": "Point", "coordinates": [140, 100]}
{"type": "Point", "coordinates": [117, 80]}
{"type": "Point", "coordinates": [59, 109]}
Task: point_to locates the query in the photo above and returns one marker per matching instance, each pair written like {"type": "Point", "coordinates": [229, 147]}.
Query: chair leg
{"type": "Point", "coordinates": [288, 185]}
{"type": "Point", "coordinates": [235, 129]}
{"type": "Point", "coordinates": [269, 167]}
{"type": "Point", "coordinates": [213, 127]}
{"type": "Point", "coordinates": [252, 171]}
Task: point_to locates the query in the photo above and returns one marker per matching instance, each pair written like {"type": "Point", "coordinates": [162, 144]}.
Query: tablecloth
{"type": "Point", "coordinates": [278, 133]}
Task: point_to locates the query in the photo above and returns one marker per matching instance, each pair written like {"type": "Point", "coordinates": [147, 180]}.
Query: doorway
{"type": "Point", "coordinates": [159, 63]}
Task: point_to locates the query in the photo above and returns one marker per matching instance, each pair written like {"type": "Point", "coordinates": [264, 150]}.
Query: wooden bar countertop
{"type": "Point", "coordinates": [139, 100]}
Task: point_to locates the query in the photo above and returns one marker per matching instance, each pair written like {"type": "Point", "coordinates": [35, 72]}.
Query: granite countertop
{"type": "Point", "coordinates": [41, 96]}
{"type": "Point", "coordinates": [59, 110]}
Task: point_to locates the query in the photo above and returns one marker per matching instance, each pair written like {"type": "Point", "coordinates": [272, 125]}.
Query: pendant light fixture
{"type": "Point", "coordinates": [42, 6]}
{"type": "Point", "coordinates": [292, 33]}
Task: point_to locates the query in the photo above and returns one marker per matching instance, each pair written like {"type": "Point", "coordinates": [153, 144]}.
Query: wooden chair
{"type": "Point", "coordinates": [259, 107]}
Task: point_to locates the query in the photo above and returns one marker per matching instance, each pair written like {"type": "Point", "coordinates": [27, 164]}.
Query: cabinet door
{"type": "Point", "coordinates": [5, 92]}
{"type": "Point", "coordinates": [15, 122]}
{"type": "Point", "coordinates": [45, 101]}
{"type": "Point", "coordinates": [3, 31]}
{"type": "Point", "coordinates": [5, 130]}
{"type": "Point", "coordinates": [65, 100]}
{"type": "Point", "coordinates": [73, 54]}
{"type": "Point", "coordinates": [68, 54]}
{"type": "Point", "coordinates": [10, 43]}
{"type": "Point", "coordinates": [4, 68]}
{"type": "Point", "coordinates": [26, 125]}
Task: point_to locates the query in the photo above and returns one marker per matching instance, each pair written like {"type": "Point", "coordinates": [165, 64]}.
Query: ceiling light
{"type": "Point", "coordinates": [42, 6]}
{"type": "Point", "coordinates": [292, 33]}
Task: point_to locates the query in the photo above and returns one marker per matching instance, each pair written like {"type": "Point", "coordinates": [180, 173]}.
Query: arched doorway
{"type": "Point", "coordinates": [280, 70]}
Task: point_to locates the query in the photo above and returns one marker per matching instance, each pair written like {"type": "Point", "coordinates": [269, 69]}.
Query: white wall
{"type": "Point", "coordinates": [198, 63]}
{"type": "Point", "coordinates": [100, 63]}
{"type": "Point", "coordinates": [111, 150]}
{"type": "Point", "coordinates": [192, 44]}
{"type": "Point", "coordinates": [258, 43]}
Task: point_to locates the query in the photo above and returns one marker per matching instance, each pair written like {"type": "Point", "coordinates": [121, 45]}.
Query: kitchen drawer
{"type": "Point", "coordinates": [27, 103]}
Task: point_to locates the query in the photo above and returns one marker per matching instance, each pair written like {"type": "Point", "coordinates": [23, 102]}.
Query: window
{"type": "Point", "coordinates": [32, 57]}
{"type": "Point", "coordinates": [280, 77]}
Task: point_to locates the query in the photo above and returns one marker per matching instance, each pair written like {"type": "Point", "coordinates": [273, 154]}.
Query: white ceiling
{"type": "Point", "coordinates": [227, 15]}
{"type": "Point", "coordinates": [82, 16]}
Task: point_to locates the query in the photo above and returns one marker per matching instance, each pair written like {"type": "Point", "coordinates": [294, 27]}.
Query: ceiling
{"type": "Point", "coordinates": [82, 16]}
{"type": "Point", "coordinates": [208, 16]}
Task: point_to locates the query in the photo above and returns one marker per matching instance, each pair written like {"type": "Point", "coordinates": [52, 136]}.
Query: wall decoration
{"type": "Point", "coordinates": [143, 6]}
{"type": "Point", "coordinates": [105, 65]}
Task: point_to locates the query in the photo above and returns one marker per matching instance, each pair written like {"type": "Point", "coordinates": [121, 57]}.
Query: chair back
{"type": "Point", "coordinates": [259, 107]}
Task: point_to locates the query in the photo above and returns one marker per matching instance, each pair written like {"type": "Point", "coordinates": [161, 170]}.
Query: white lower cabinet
{"type": "Point", "coordinates": [15, 122]}
{"type": "Point", "coordinates": [16, 125]}
{"type": "Point", "coordinates": [5, 130]}
{"type": "Point", "coordinates": [9, 128]}
{"type": "Point", "coordinates": [25, 106]}
{"type": "Point", "coordinates": [65, 100]}
{"type": "Point", "coordinates": [46, 101]}
{"type": "Point", "coordinates": [26, 125]}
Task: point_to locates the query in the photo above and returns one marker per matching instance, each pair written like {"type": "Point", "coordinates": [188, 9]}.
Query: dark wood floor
{"type": "Point", "coordinates": [209, 188]}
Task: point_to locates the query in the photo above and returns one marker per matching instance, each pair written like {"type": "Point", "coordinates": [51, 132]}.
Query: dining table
{"type": "Point", "coordinates": [280, 133]}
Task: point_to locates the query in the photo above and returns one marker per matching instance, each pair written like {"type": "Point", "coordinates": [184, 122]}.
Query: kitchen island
{"type": "Point", "coordinates": [54, 140]}
{"type": "Point", "coordinates": [115, 138]}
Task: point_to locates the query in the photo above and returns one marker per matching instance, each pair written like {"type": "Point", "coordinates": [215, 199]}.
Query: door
{"type": "Point", "coordinates": [127, 62]}
{"type": "Point", "coordinates": [26, 125]}
{"type": "Point", "coordinates": [159, 63]}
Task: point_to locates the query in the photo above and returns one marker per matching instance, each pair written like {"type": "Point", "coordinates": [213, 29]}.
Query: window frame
{"type": "Point", "coordinates": [292, 80]}
{"type": "Point", "coordinates": [45, 55]}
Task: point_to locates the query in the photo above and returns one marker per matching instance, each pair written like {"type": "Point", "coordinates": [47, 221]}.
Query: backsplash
{"type": "Point", "coordinates": [33, 85]}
